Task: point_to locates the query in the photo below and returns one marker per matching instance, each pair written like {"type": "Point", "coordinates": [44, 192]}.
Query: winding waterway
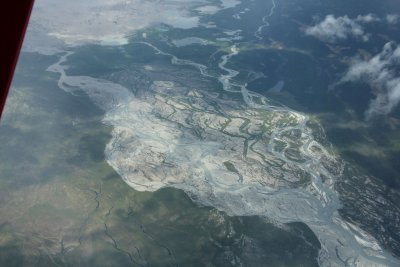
{"type": "Point", "coordinates": [315, 203]}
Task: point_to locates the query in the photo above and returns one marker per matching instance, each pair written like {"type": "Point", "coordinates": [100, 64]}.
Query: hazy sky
{"type": "Point", "coordinates": [55, 23]}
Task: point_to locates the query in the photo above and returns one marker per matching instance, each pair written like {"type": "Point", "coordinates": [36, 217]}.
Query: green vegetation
{"type": "Point", "coordinates": [63, 205]}
{"type": "Point", "coordinates": [230, 167]}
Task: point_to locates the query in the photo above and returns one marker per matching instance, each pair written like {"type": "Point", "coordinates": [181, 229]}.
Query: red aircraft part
{"type": "Point", "coordinates": [14, 18]}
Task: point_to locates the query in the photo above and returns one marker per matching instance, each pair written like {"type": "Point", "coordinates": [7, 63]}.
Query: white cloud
{"type": "Point", "coordinates": [229, 3]}
{"type": "Point", "coordinates": [380, 73]}
{"type": "Point", "coordinates": [392, 18]}
{"type": "Point", "coordinates": [333, 29]}
{"type": "Point", "coordinates": [367, 18]}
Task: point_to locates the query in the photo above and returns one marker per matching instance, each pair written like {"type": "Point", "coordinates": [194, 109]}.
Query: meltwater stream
{"type": "Point", "coordinates": [258, 33]}
{"type": "Point", "coordinates": [150, 153]}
